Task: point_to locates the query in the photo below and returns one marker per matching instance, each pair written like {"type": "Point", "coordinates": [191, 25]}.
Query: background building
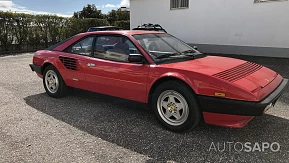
{"type": "Point", "coordinates": [249, 27]}
{"type": "Point", "coordinates": [124, 9]}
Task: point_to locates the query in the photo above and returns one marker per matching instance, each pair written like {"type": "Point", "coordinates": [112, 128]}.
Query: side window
{"type": "Point", "coordinates": [116, 48]}
{"type": "Point", "coordinates": [83, 47]}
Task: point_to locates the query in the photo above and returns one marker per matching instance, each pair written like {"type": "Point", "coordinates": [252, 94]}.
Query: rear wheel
{"type": "Point", "coordinates": [53, 82]}
{"type": "Point", "coordinates": [175, 106]}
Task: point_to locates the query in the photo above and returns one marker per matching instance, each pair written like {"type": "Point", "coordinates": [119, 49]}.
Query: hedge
{"type": "Point", "coordinates": [24, 30]}
{"type": "Point", "coordinates": [124, 24]}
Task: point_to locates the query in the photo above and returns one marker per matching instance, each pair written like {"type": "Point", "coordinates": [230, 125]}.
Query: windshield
{"type": "Point", "coordinates": [164, 46]}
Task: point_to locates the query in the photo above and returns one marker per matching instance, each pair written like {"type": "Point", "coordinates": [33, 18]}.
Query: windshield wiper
{"type": "Point", "coordinates": [167, 55]}
{"type": "Point", "coordinates": [188, 51]}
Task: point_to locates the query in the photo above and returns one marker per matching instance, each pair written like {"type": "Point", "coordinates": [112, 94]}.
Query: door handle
{"type": "Point", "coordinates": [90, 65]}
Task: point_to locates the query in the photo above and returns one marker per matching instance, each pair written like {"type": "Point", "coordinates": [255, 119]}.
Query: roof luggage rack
{"type": "Point", "coordinates": [151, 27]}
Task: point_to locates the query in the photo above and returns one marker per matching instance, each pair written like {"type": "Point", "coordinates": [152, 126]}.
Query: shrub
{"type": "Point", "coordinates": [40, 31]}
{"type": "Point", "coordinates": [124, 24]}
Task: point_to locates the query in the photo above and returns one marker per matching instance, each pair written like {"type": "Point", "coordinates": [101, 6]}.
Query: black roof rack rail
{"type": "Point", "coordinates": [150, 26]}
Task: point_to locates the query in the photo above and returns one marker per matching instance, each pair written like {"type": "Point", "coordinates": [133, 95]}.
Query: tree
{"type": "Point", "coordinates": [112, 17]}
{"type": "Point", "coordinates": [89, 11]}
{"type": "Point", "coordinates": [122, 15]}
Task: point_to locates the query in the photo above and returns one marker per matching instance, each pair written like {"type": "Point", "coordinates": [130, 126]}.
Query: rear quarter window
{"type": "Point", "coordinates": [59, 43]}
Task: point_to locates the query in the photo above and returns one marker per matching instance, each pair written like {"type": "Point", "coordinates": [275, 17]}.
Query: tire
{"type": "Point", "coordinates": [181, 112]}
{"type": "Point", "coordinates": [53, 77]}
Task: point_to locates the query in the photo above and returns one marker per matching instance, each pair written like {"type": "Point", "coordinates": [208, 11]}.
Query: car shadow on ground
{"type": "Point", "coordinates": [132, 125]}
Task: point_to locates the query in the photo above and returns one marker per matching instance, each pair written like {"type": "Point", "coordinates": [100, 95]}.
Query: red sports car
{"type": "Point", "coordinates": [180, 84]}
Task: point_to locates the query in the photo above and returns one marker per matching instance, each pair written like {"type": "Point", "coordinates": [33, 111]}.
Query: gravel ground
{"type": "Point", "coordinates": [89, 127]}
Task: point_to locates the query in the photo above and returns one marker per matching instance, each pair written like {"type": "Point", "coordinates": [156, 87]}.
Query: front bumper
{"type": "Point", "coordinates": [36, 68]}
{"type": "Point", "coordinates": [237, 107]}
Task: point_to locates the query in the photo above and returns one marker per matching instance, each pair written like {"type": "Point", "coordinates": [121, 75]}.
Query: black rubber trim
{"type": "Point", "coordinates": [238, 107]}
{"type": "Point", "coordinates": [36, 68]}
{"type": "Point", "coordinates": [276, 93]}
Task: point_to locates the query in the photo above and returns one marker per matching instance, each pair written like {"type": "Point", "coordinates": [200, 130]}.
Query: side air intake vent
{"type": "Point", "coordinates": [69, 63]}
{"type": "Point", "coordinates": [238, 72]}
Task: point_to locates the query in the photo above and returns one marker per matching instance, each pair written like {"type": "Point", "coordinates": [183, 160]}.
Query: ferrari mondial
{"type": "Point", "coordinates": [180, 84]}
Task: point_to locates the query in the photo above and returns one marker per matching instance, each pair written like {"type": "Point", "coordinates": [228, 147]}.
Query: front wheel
{"type": "Point", "coordinates": [175, 106]}
{"type": "Point", "coordinates": [53, 82]}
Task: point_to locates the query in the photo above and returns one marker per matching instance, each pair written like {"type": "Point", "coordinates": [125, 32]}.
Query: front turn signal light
{"type": "Point", "coordinates": [220, 94]}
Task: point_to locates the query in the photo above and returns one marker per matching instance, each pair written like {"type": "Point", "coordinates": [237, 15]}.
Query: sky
{"type": "Point", "coordinates": [59, 7]}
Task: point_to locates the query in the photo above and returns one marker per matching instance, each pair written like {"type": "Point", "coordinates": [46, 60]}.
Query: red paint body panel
{"type": "Point", "coordinates": [269, 88]}
{"type": "Point", "coordinates": [208, 66]}
{"type": "Point", "coordinates": [198, 74]}
{"type": "Point", "coordinates": [134, 81]}
{"type": "Point", "coordinates": [233, 121]}
{"type": "Point", "coordinates": [125, 80]}
{"type": "Point", "coordinates": [70, 76]}
{"type": "Point", "coordinates": [262, 77]}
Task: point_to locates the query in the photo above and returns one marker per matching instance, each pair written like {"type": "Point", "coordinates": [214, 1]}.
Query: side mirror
{"type": "Point", "coordinates": [135, 58]}
{"type": "Point", "coordinates": [195, 47]}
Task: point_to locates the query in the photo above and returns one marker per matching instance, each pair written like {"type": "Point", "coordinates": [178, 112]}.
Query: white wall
{"type": "Point", "coordinates": [219, 22]}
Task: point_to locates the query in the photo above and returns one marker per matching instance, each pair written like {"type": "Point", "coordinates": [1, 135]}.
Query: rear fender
{"type": "Point", "coordinates": [48, 62]}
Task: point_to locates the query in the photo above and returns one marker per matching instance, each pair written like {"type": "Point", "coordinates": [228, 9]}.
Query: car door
{"type": "Point", "coordinates": [109, 71]}
{"type": "Point", "coordinates": [73, 62]}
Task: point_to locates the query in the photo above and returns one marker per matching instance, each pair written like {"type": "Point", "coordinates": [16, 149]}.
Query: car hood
{"type": "Point", "coordinates": [247, 75]}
